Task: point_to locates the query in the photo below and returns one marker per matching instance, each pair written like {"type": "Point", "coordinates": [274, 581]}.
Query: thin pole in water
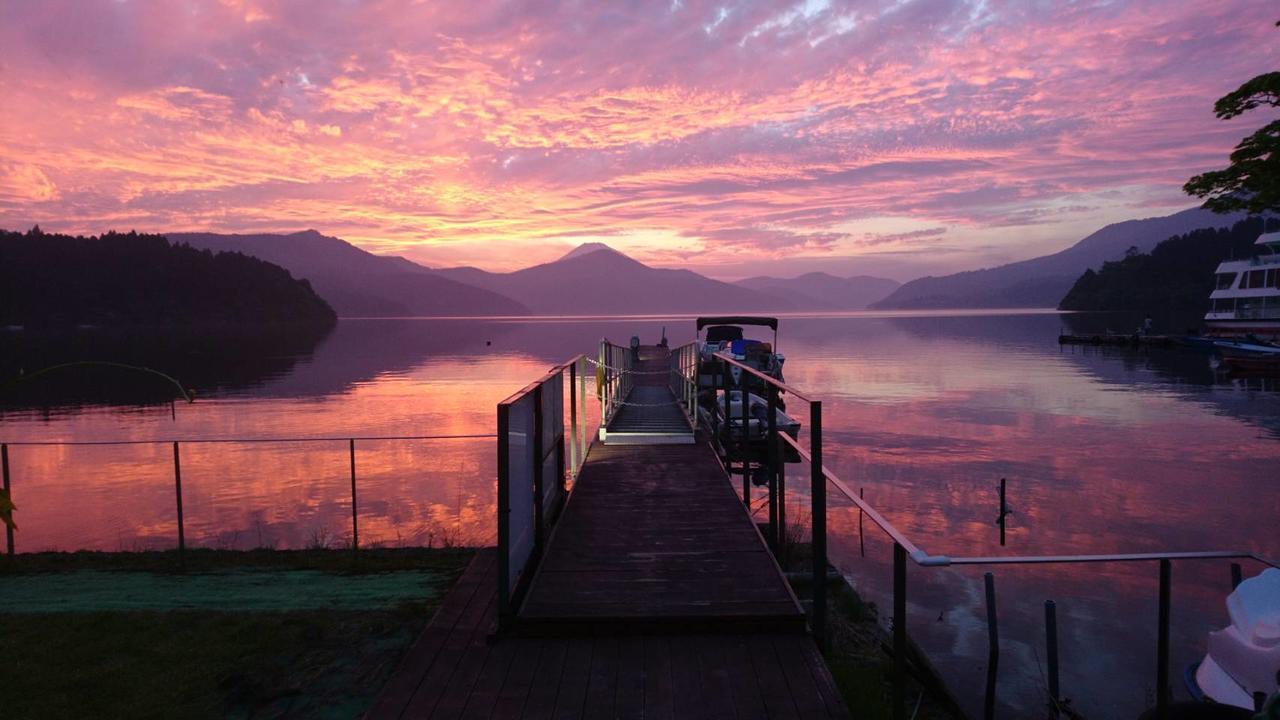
{"type": "Point", "coordinates": [993, 647]}
{"type": "Point", "coordinates": [177, 486]}
{"type": "Point", "coordinates": [355, 526]}
{"type": "Point", "coordinates": [1004, 510]}
{"type": "Point", "coordinates": [862, 545]}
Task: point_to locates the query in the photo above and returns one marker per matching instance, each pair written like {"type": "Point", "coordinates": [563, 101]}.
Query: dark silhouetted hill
{"type": "Point", "coordinates": [820, 291]}
{"type": "Point", "coordinates": [1175, 277]}
{"type": "Point", "coordinates": [594, 279]}
{"type": "Point", "coordinates": [118, 280]}
{"type": "Point", "coordinates": [359, 283]}
{"type": "Point", "coordinates": [1042, 281]}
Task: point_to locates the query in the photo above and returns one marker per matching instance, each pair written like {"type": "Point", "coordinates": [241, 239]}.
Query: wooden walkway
{"type": "Point", "coordinates": [656, 597]}
{"type": "Point", "coordinates": [458, 669]}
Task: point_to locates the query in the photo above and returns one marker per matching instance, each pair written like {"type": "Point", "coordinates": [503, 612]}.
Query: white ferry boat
{"type": "Point", "coordinates": [1246, 299]}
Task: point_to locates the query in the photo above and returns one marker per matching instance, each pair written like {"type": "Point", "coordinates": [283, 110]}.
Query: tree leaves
{"type": "Point", "coordinates": [1252, 181]}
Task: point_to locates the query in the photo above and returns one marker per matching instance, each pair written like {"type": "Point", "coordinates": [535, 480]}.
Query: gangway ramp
{"type": "Point", "coordinates": [644, 410]}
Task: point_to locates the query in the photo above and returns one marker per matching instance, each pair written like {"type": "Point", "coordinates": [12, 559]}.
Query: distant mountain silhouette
{"type": "Point", "coordinates": [595, 279]}
{"type": "Point", "coordinates": [358, 283]}
{"type": "Point", "coordinates": [131, 280]}
{"type": "Point", "coordinates": [820, 291]}
{"type": "Point", "coordinates": [1043, 281]}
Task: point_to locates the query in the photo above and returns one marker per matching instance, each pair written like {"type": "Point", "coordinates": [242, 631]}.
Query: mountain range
{"type": "Point", "coordinates": [1043, 281]}
{"type": "Point", "coordinates": [821, 291]}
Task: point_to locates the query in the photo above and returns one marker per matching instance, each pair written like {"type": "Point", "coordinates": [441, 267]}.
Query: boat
{"type": "Point", "coordinates": [712, 415]}
{"type": "Point", "coordinates": [1243, 659]}
{"type": "Point", "coordinates": [1252, 363]}
{"type": "Point", "coordinates": [1250, 346]}
{"type": "Point", "coordinates": [727, 334]}
{"type": "Point", "coordinates": [1246, 295]}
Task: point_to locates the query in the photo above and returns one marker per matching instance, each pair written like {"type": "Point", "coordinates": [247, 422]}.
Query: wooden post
{"type": "Point", "coordinates": [355, 526]}
{"type": "Point", "coordinates": [818, 490]}
{"type": "Point", "coordinates": [1162, 642]}
{"type": "Point", "coordinates": [4, 464]}
{"type": "Point", "coordinates": [993, 648]}
{"type": "Point", "coordinates": [177, 486]}
{"type": "Point", "coordinates": [899, 632]}
{"type": "Point", "coordinates": [1051, 647]}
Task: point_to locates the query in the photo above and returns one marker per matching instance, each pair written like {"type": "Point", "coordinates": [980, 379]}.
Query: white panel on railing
{"type": "Point", "coordinates": [552, 431]}
{"type": "Point", "coordinates": [520, 464]}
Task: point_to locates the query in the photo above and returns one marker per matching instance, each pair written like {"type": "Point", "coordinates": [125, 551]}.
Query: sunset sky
{"type": "Point", "coordinates": [895, 138]}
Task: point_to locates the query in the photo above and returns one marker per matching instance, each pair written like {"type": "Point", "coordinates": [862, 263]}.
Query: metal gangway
{"type": "Point", "coordinates": [648, 394]}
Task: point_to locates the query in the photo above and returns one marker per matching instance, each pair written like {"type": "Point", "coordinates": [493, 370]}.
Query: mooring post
{"type": "Point", "coordinates": [993, 647]}
{"type": "Point", "coordinates": [1236, 575]}
{"type": "Point", "coordinates": [899, 632]}
{"type": "Point", "coordinates": [177, 486]}
{"type": "Point", "coordinates": [1162, 641]}
{"type": "Point", "coordinates": [772, 447]}
{"type": "Point", "coordinates": [1051, 647]}
{"type": "Point", "coordinates": [355, 527]}
{"type": "Point", "coordinates": [818, 491]}
{"type": "Point", "coordinates": [8, 492]}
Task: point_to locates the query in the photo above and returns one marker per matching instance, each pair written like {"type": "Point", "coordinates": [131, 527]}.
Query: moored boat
{"type": "Point", "coordinates": [1243, 660]}
{"type": "Point", "coordinates": [1246, 296]}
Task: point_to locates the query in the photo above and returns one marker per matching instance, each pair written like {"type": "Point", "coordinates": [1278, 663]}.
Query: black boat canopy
{"type": "Point", "coordinates": [738, 320]}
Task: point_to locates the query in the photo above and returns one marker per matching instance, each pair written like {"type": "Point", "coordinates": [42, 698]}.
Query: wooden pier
{"type": "Point", "coordinates": [647, 591]}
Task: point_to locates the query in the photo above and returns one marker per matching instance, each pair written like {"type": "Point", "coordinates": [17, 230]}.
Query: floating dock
{"type": "Point", "coordinates": [646, 590]}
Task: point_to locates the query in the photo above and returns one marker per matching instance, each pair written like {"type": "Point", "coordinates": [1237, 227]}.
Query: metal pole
{"type": "Point", "coordinates": [573, 418]}
{"type": "Point", "coordinates": [1051, 647]}
{"type": "Point", "coordinates": [4, 464]}
{"type": "Point", "coordinates": [782, 495]}
{"type": "Point", "coordinates": [539, 534]}
{"type": "Point", "coordinates": [582, 409]}
{"type": "Point", "coordinates": [862, 543]}
{"type": "Point", "coordinates": [1236, 575]}
{"type": "Point", "coordinates": [355, 526]}
{"type": "Point", "coordinates": [177, 486]}
{"type": "Point", "coordinates": [1003, 511]}
{"type": "Point", "coordinates": [504, 516]}
{"type": "Point", "coordinates": [993, 647]}
{"type": "Point", "coordinates": [1162, 642]}
{"type": "Point", "coordinates": [899, 632]}
{"type": "Point", "coordinates": [818, 490]}
{"type": "Point", "coordinates": [744, 401]}
{"type": "Point", "coordinates": [773, 464]}
{"type": "Point", "coordinates": [727, 435]}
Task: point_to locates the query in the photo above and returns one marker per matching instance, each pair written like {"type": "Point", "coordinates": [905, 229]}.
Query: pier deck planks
{"type": "Point", "coordinates": [458, 669]}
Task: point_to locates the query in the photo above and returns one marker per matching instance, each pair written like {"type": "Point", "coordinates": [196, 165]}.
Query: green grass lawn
{"type": "Point", "coordinates": [236, 655]}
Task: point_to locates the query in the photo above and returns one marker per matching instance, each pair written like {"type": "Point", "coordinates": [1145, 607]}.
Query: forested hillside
{"type": "Point", "coordinates": [1175, 277]}
{"type": "Point", "coordinates": [50, 280]}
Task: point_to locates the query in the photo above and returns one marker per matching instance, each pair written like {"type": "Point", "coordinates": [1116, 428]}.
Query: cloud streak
{"type": "Point", "coordinates": [708, 132]}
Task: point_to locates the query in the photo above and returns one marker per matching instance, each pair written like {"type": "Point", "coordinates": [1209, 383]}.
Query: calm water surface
{"type": "Point", "coordinates": [1104, 451]}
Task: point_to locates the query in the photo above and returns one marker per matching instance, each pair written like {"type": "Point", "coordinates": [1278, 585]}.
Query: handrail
{"type": "Point", "coordinates": [193, 441]}
{"type": "Point", "coordinates": [767, 378]}
{"type": "Point", "coordinates": [924, 559]}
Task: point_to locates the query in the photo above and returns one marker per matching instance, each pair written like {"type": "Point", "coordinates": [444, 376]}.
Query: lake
{"type": "Point", "coordinates": [1103, 449]}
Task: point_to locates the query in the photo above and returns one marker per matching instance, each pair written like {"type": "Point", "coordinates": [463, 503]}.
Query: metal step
{"type": "Point", "coordinates": [653, 418]}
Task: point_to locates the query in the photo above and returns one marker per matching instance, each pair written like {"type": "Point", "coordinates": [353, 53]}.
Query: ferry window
{"type": "Point", "coordinates": [1273, 278]}
{"type": "Point", "coordinates": [1256, 279]}
{"type": "Point", "coordinates": [1224, 305]}
{"type": "Point", "coordinates": [1226, 280]}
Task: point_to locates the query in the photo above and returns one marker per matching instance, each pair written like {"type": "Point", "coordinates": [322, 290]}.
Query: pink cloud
{"type": "Point", "coordinates": [455, 132]}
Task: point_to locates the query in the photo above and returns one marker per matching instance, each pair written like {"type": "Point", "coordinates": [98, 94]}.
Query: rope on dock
{"type": "Point", "coordinates": [629, 372]}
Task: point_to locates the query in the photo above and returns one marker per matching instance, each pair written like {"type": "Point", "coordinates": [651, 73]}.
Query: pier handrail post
{"type": "Point", "coordinates": [4, 465]}
{"type": "Point", "coordinates": [504, 516]}
{"type": "Point", "coordinates": [818, 491]}
{"type": "Point", "coordinates": [355, 523]}
{"type": "Point", "coordinates": [899, 632]}
{"type": "Point", "coordinates": [726, 434]}
{"type": "Point", "coordinates": [177, 486]}
{"type": "Point", "coordinates": [539, 535]}
{"type": "Point", "coordinates": [1051, 647]}
{"type": "Point", "coordinates": [745, 445]}
{"type": "Point", "coordinates": [582, 410]}
{"type": "Point", "coordinates": [1162, 641]}
{"type": "Point", "coordinates": [772, 447]}
{"type": "Point", "coordinates": [573, 418]}
{"type": "Point", "coordinates": [993, 647]}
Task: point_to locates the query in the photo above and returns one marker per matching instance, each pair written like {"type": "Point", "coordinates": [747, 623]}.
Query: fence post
{"type": "Point", "coordinates": [993, 647]}
{"type": "Point", "coordinates": [582, 407]}
{"type": "Point", "coordinates": [1162, 642]}
{"type": "Point", "coordinates": [727, 436]}
{"type": "Point", "coordinates": [899, 632]}
{"type": "Point", "coordinates": [539, 536]}
{"type": "Point", "coordinates": [504, 517]}
{"type": "Point", "coordinates": [177, 486]}
{"type": "Point", "coordinates": [745, 403]}
{"type": "Point", "coordinates": [1051, 647]}
{"type": "Point", "coordinates": [355, 528]}
{"type": "Point", "coordinates": [4, 463]}
{"type": "Point", "coordinates": [818, 490]}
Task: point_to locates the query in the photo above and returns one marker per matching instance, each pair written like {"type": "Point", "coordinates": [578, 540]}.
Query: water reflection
{"type": "Point", "coordinates": [1104, 449]}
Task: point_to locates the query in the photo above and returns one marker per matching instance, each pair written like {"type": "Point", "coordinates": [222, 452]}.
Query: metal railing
{"type": "Point", "coordinates": [533, 470]}
{"type": "Point", "coordinates": [903, 548]}
{"type": "Point", "coordinates": [179, 515]}
{"type": "Point", "coordinates": [614, 378]}
{"type": "Point", "coordinates": [683, 381]}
